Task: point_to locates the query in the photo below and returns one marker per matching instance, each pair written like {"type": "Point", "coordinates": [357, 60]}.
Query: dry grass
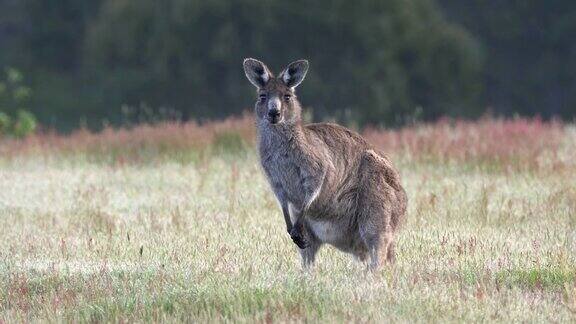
{"type": "Point", "coordinates": [489, 144]}
{"type": "Point", "coordinates": [174, 223]}
{"type": "Point", "coordinates": [514, 145]}
{"type": "Point", "coordinates": [143, 144]}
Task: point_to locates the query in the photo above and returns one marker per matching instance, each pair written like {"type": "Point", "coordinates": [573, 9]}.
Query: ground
{"type": "Point", "coordinates": [204, 240]}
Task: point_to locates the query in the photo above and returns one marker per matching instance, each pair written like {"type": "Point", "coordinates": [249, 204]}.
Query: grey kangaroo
{"type": "Point", "coordinates": [332, 186]}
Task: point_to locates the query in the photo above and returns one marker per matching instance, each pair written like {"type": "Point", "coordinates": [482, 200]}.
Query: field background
{"type": "Point", "coordinates": [174, 221]}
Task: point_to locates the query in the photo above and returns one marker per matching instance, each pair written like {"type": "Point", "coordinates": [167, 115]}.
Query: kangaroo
{"type": "Point", "coordinates": [332, 186]}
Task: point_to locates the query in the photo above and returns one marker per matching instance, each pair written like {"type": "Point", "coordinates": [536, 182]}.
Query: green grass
{"type": "Point", "coordinates": [205, 241]}
{"type": "Point", "coordinates": [547, 278]}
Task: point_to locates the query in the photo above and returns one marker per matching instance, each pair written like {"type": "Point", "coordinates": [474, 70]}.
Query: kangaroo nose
{"type": "Point", "coordinates": [273, 112]}
{"type": "Point", "coordinates": [274, 105]}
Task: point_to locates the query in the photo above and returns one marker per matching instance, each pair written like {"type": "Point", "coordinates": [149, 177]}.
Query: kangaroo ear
{"type": "Point", "coordinates": [294, 73]}
{"type": "Point", "coordinates": [257, 72]}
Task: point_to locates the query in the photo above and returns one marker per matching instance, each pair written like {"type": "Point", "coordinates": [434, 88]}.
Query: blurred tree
{"type": "Point", "coordinates": [530, 49]}
{"type": "Point", "coordinates": [12, 24]}
{"type": "Point", "coordinates": [377, 61]}
{"type": "Point", "coordinates": [55, 32]}
{"type": "Point", "coordinates": [372, 62]}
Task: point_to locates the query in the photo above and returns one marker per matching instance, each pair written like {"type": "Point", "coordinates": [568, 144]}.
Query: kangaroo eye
{"type": "Point", "coordinates": [287, 97]}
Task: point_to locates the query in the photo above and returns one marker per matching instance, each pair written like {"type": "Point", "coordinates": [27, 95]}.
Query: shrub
{"type": "Point", "coordinates": [5, 123]}
{"type": "Point", "coordinates": [15, 120]}
{"type": "Point", "coordinates": [24, 124]}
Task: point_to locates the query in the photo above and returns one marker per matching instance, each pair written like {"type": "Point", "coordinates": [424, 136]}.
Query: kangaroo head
{"type": "Point", "coordinates": [277, 102]}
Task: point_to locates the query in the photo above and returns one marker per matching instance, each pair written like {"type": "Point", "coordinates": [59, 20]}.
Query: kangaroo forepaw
{"type": "Point", "coordinates": [298, 238]}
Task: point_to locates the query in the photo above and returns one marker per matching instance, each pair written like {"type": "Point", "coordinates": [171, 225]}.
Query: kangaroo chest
{"type": "Point", "coordinates": [285, 173]}
{"type": "Point", "coordinates": [285, 165]}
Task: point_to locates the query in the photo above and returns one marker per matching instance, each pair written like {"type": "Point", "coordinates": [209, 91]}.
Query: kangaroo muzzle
{"type": "Point", "coordinates": [274, 105]}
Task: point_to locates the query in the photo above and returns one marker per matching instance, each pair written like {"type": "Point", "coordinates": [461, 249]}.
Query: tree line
{"type": "Point", "coordinates": [90, 62]}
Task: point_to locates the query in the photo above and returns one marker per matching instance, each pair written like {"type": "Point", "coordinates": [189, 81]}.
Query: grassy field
{"type": "Point", "coordinates": [175, 222]}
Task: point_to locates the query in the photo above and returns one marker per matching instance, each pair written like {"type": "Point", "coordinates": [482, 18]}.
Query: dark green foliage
{"type": "Point", "coordinates": [55, 29]}
{"type": "Point", "coordinates": [24, 124]}
{"type": "Point", "coordinates": [372, 61]}
{"type": "Point", "coordinates": [15, 120]}
{"type": "Point", "coordinates": [5, 123]}
{"type": "Point", "coordinates": [378, 60]}
{"type": "Point", "coordinates": [529, 49]}
{"type": "Point", "coordinates": [21, 125]}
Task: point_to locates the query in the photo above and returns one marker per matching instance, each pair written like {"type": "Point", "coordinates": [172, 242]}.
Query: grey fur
{"type": "Point", "coordinates": [333, 187]}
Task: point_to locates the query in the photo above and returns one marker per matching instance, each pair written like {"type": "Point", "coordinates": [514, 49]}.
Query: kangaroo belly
{"type": "Point", "coordinates": [328, 231]}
